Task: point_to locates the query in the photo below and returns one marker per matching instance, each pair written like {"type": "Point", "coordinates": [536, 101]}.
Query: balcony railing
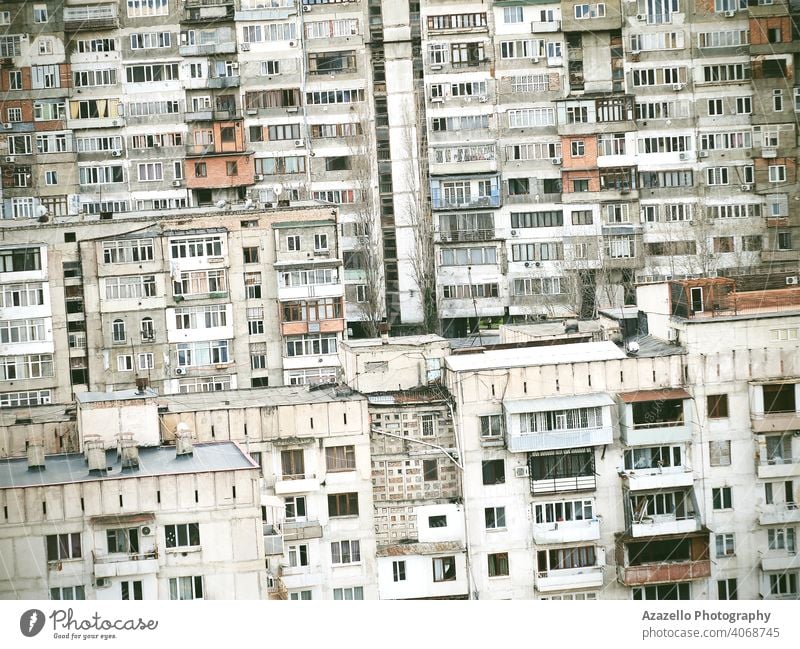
{"type": "Point", "coordinates": [778, 513]}
{"type": "Point", "coordinates": [569, 578]}
{"type": "Point", "coordinates": [664, 572]}
{"type": "Point", "coordinates": [91, 17]}
{"type": "Point", "coordinates": [440, 202]}
{"type": "Point", "coordinates": [546, 441]}
{"type": "Point", "coordinates": [554, 485]}
{"type": "Point", "coordinates": [483, 234]}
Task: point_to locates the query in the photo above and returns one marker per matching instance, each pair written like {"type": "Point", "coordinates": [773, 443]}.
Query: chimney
{"type": "Point", "coordinates": [35, 455]}
{"type": "Point", "coordinates": [96, 455]}
{"type": "Point", "coordinates": [383, 329]}
{"type": "Point", "coordinates": [141, 384]}
{"type": "Point", "coordinates": [183, 440]}
{"type": "Point", "coordinates": [128, 451]}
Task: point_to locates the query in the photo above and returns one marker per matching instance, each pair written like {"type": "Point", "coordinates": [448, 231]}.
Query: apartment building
{"type": "Point", "coordinates": [150, 523]}
{"type": "Point", "coordinates": [416, 466]}
{"type": "Point", "coordinates": [192, 300]}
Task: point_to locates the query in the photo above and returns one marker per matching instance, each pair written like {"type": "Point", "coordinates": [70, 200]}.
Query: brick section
{"type": "Point", "coordinates": [759, 29]}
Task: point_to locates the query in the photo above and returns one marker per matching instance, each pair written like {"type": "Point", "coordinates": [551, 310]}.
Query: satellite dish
{"type": "Point", "coordinates": [41, 210]}
{"type": "Point", "coordinates": [277, 189]}
{"type": "Point", "coordinates": [248, 203]}
{"type": "Point", "coordinates": [221, 203]}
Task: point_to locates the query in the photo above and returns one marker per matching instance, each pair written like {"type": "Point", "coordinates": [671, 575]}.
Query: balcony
{"type": "Point", "coordinates": [557, 485]}
{"type": "Point", "coordinates": [273, 540]}
{"type": "Point", "coordinates": [296, 484]}
{"type": "Point", "coordinates": [208, 114]}
{"type": "Point", "coordinates": [557, 413]}
{"type": "Point", "coordinates": [459, 236]}
{"type": "Point", "coordinates": [302, 530]}
{"type": "Point", "coordinates": [566, 531]}
{"type": "Point", "coordinates": [664, 572]}
{"type": "Point", "coordinates": [665, 524]}
{"type": "Point", "coordinates": [780, 560]}
{"type": "Point", "coordinates": [655, 417]}
{"type": "Point", "coordinates": [263, 10]}
{"type": "Point", "coordinates": [778, 514]}
{"type": "Point", "coordinates": [484, 165]}
{"type": "Point", "coordinates": [658, 478]}
{"type": "Point", "coordinates": [206, 49]}
{"type": "Point", "coordinates": [570, 578]}
{"type": "Point", "coordinates": [779, 468]}
{"type": "Point", "coordinates": [539, 27]}
{"type": "Point", "coordinates": [312, 327]}
{"type": "Point", "coordinates": [90, 18]}
{"type": "Point", "coordinates": [122, 565]}
{"type": "Point", "coordinates": [208, 12]}
{"type": "Point", "coordinates": [775, 422]}
{"type": "Point", "coordinates": [450, 202]}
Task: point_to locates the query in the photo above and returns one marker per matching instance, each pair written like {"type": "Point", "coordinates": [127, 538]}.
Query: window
{"type": "Point", "coordinates": [512, 14]}
{"type": "Point", "coordinates": [723, 244]}
{"type": "Point", "coordinates": [722, 498]}
{"type": "Point", "coordinates": [131, 590]}
{"type": "Point", "coordinates": [681, 590]}
{"type": "Point", "coordinates": [355, 592]}
{"type": "Point", "coordinates": [491, 426]}
{"type": "Point", "coordinates": [494, 472]}
{"type": "Point", "coordinates": [255, 320]}
{"type": "Point", "coordinates": [724, 545]}
{"type": "Point", "coordinates": [252, 284]}
{"type": "Point", "coordinates": [200, 170]}
{"type": "Point", "coordinates": [232, 168]}
{"type": "Point", "coordinates": [123, 540]}
{"type": "Point", "coordinates": [182, 535]}
{"type": "Point", "coordinates": [124, 363]}
{"type": "Point", "coordinates": [185, 587]}
{"type": "Point", "coordinates": [320, 242]}
{"type": "Point", "coordinates": [498, 564]}
{"type": "Point", "coordinates": [399, 570]}
{"type": "Point", "coordinates": [293, 464]}
{"type": "Point", "coordinates": [250, 255]}
{"type": "Point", "coordinates": [300, 595]}
{"type": "Point", "coordinates": [717, 406]}
{"type": "Point", "coordinates": [444, 569]}
{"type": "Point", "coordinates": [345, 552]}
{"type": "Point", "coordinates": [719, 453]}
{"type": "Point", "coordinates": [63, 546]}
{"type": "Point", "coordinates": [40, 13]}
{"type": "Point", "coordinates": [293, 242]}
{"type": "Point", "coordinates": [784, 241]}
{"type": "Point", "coordinates": [345, 504]}
{"type": "Point", "coordinates": [784, 584]}
{"type": "Point", "coordinates": [726, 589]}
{"type": "Point", "coordinates": [777, 173]}
{"type": "Point", "coordinates": [295, 508]}
{"type": "Point", "coordinates": [145, 361]}
{"type": "Point", "coordinates": [430, 470]}
{"type": "Point", "coordinates": [118, 331]}
{"type": "Point", "coordinates": [67, 593]}
{"type": "Point", "coordinates": [298, 555]}
{"type": "Point", "coordinates": [782, 539]}
{"type": "Point", "coordinates": [427, 425]}
{"type": "Point", "coordinates": [495, 518]}
{"type": "Point", "coordinates": [340, 458]}
{"type": "Point", "coordinates": [150, 171]}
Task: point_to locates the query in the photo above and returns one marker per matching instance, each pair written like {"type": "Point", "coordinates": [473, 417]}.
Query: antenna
{"type": "Point", "coordinates": [277, 189]}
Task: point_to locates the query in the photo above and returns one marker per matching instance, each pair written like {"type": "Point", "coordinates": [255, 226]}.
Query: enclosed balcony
{"type": "Point", "coordinates": [465, 193]}
{"type": "Point", "coordinates": [324, 315]}
{"type": "Point", "coordinates": [265, 9]}
{"type": "Point", "coordinates": [786, 513]}
{"type": "Point", "coordinates": [273, 539]}
{"type": "Point", "coordinates": [569, 568]}
{"type": "Point", "coordinates": [91, 18]}
{"type": "Point", "coordinates": [663, 560]}
{"type": "Point", "coordinates": [569, 469]}
{"type": "Point", "coordinates": [566, 532]}
{"type": "Point", "coordinates": [558, 422]}
{"type": "Point", "coordinates": [297, 530]}
{"type": "Point", "coordinates": [207, 11]}
{"type": "Point", "coordinates": [774, 406]}
{"type": "Point", "coordinates": [661, 513]}
{"type": "Point", "coordinates": [655, 416]}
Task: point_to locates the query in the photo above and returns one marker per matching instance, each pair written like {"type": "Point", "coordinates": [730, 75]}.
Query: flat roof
{"type": "Point", "coordinates": [116, 395]}
{"type": "Point", "coordinates": [550, 328]}
{"type": "Point", "coordinates": [533, 356]}
{"type": "Point", "coordinates": [153, 461]}
{"type": "Point", "coordinates": [257, 397]}
{"type": "Point", "coordinates": [393, 340]}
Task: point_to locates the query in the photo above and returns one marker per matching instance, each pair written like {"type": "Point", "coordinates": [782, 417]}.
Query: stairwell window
{"type": "Point", "coordinates": [344, 552]}
{"type": "Point", "coordinates": [345, 504]}
{"type": "Point", "coordinates": [182, 535]}
{"type": "Point", "coordinates": [725, 546]}
{"type": "Point", "coordinates": [495, 518]}
{"type": "Point", "coordinates": [498, 564]}
{"type": "Point", "coordinates": [181, 588]}
{"type": "Point", "coordinates": [722, 498]}
{"type": "Point", "coordinates": [63, 546]}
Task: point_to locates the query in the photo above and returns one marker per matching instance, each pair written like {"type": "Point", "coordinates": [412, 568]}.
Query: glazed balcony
{"type": "Point", "coordinates": [91, 18]}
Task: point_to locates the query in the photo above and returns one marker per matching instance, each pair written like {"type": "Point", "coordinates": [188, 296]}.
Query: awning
{"type": "Point", "coordinates": [654, 395]}
{"type": "Point", "coordinates": [559, 403]}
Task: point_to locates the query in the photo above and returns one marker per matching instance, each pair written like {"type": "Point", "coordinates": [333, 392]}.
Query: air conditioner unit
{"type": "Point", "coordinates": [514, 233]}
{"type": "Point", "coordinates": [245, 47]}
{"type": "Point", "coordinates": [730, 13]}
{"type": "Point", "coordinates": [146, 530]}
{"type": "Point", "coordinates": [527, 264]}
{"type": "Point", "coordinates": [746, 188]}
{"type": "Point", "coordinates": [521, 472]}
{"type": "Point", "coordinates": [258, 177]}
{"type": "Point", "coordinates": [292, 109]}
{"type": "Point", "coordinates": [252, 111]}
{"type": "Point", "coordinates": [292, 43]}
{"type": "Point", "coordinates": [792, 281]}
{"type": "Point", "coordinates": [9, 158]}
{"type": "Point", "coordinates": [702, 154]}
{"type": "Point", "coordinates": [641, 17]}
{"type": "Point", "coordinates": [116, 154]}
{"type": "Point", "coordinates": [306, 8]}
{"type": "Point", "coordinates": [535, 59]}
{"type": "Point", "coordinates": [179, 371]}
{"type": "Point", "coordinates": [299, 143]}
{"type": "Point", "coordinates": [176, 183]}
{"type": "Point", "coordinates": [436, 67]}
{"type": "Point", "coordinates": [556, 161]}
{"type": "Point", "coordinates": [672, 335]}
{"type": "Point", "coordinates": [8, 125]}
{"type": "Point", "coordinates": [483, 99]}
{"type": "Point", "coordinates": [102, 582]}
{"type": "Point", "coordinates": [684, 156]}
{"type": "Point", "coordinates": [437, 100]}
{"type": "Point", "coordinates": [677, 86]}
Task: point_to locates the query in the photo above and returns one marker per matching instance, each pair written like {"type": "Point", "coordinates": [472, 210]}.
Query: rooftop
{"type": "Point", "coordinates": [288, 395]}
{"type": "Point", "coordinates": [529, 356]}
{"type": "Point", "coordinates": [394, 341]}
{"type": "Point", "coordinates": [153, 461]}
{"type": "Point", "coordinates": [116, 395]}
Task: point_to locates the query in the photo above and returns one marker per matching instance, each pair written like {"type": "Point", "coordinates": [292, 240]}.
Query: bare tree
{"type": "Point", "coordinates": [418, 215]}
{"type": "Point", "coordinates": [366, 221]}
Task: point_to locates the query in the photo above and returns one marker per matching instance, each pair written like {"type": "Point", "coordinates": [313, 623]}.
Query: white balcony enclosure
{"type": "Point", "coordinates": [570, 579]}
{"type": "Point", "coordinates": [567, 531]}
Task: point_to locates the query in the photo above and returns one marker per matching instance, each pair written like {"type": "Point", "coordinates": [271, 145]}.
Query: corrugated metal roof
{"type": "Point", "coordinates": [654, 395]}
{"type": "Point", "coordinates": [533, 356]}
